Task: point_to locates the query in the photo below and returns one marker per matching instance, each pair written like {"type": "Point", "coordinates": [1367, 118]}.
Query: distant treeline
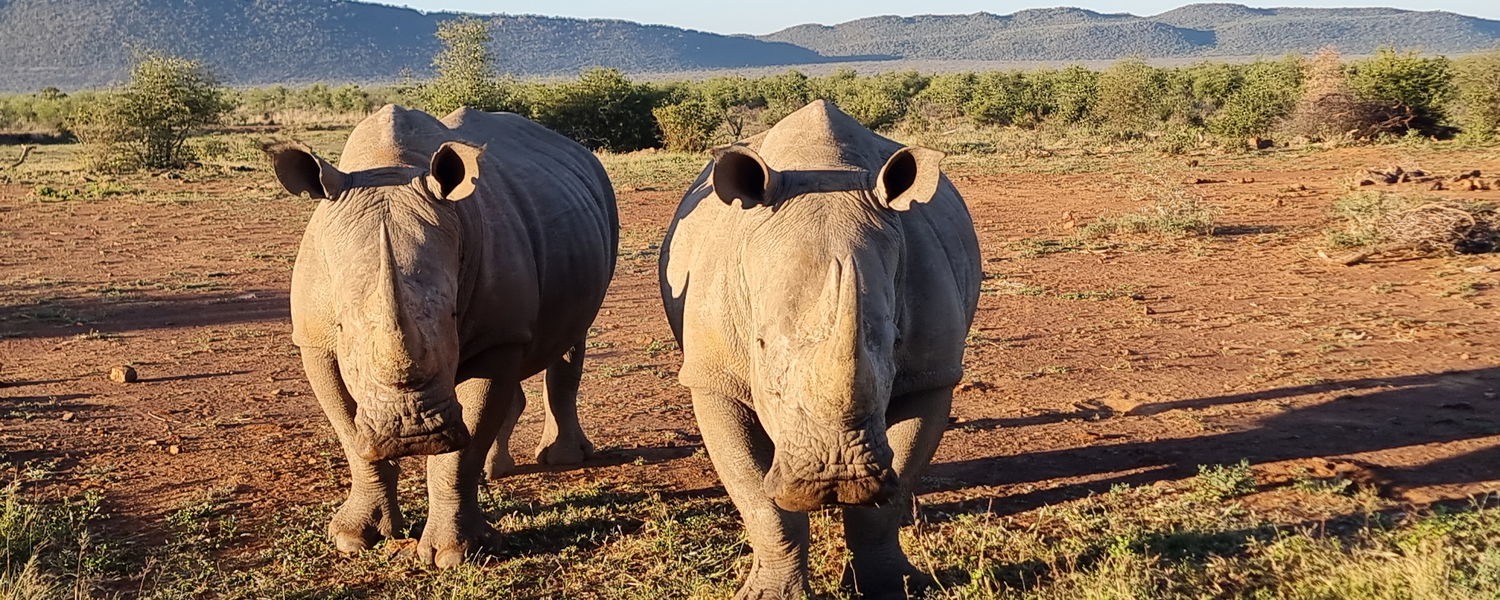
{"type": "Point", "coordinates": [1391, 93]}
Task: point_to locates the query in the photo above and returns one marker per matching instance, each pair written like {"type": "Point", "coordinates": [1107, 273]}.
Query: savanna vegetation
{"type": "Point", "coordinates": [1294, 99]}
{"type": "Point", "coordinates": [1229, 532]}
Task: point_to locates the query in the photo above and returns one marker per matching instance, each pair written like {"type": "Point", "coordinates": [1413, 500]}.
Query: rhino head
{"type": "Point", "coordinates": [822, 261]}
{"type": "Point", "coordinates": [389, 245]}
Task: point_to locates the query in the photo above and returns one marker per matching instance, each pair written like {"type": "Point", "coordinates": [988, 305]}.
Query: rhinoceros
{"type": "Point", "coordinates": [821, 280]}
{"type": "Point", "coordinates": [446, 262]}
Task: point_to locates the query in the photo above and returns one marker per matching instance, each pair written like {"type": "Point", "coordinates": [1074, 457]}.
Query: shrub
{"type": "Point", "coordinates": [738, 102]}
{"type": "Point", "coordinates": [1132, 97]}
{"type": "Point", "coordinates": [877, 102]}
{"type": "Point", "coordinates": [689, 125]}
{"type": "Point", "coordinates": [1397, 221]}
{"type": "Point", "coordinates": [1010, 98]}
{"type": "Point", "coordinates": [1174, 212]}
{"type": "Point", "coordinates": [1267, 92]}
{"type": "Point", "coordinates": [1075, 92]}
{"type": "Point", "coordinates": [601, 110]}
{"type": "Point", "coordinates": [783, 94]}
{"type": "Point", "coordinates": [1412, 89]}
{"type": "Point", "coordinates": [1476, 85]}
{"type": "Point", "coordinates": [146, 123]}
{"type": "Point", "coordinates": [942, 101]}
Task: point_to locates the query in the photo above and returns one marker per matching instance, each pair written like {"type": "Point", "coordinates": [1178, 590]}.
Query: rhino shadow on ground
{"type": "Point", "coordinates": [140, 312]}
{"type": "Point", "coordinates": [1369, 415]}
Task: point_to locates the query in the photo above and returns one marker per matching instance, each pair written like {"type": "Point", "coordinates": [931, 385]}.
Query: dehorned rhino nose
{"type": "Point", "coordinates": [385, 430]}
{"type": "Point", "coordinates": [848, 485]}
{"type": "Point", "coordinates": [450, 439]}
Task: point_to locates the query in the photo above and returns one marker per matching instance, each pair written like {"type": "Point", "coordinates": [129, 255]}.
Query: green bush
{"type": "Point", "coordinates": [783, 94]}
{"type": "Point", "coordinates": [1266, 93]}
{"type": "Point", "coordinates": [1133, 97]}
{"type": "Point", "coordinates": [146, 123]}
{"type": "Point", "coordinates": [46, 111]}
{"type": "Point", "coordinates": [601, 110]}
{"type": "Point", "coordinates": [1075, 91]}
{"type": "Point", "coordinates": [688, 126]}
{"type": "Point", "coordinates": [1476, 84]}
{"type": "Point", "coordinates": [877, 102]}
{"type": "Point", "coordinates": [1413, 88]}
{"type": "Point", "coordinates": [1010, 98]}
{"type": "Point", "coordinates": [942, 102]}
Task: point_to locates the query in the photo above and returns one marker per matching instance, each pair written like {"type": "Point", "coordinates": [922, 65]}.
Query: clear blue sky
{"type": "Point", "coordinates": [765, 16]}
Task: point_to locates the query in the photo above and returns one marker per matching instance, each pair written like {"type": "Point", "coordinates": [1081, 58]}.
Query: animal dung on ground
{"type": "Point", "coordinates": [123, 374]}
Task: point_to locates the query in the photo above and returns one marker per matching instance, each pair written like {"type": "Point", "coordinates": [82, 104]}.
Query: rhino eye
{"type": "Point", "coordinates": [761, 342]}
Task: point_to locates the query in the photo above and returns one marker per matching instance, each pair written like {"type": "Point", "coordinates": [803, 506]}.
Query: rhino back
{"type": "Point", "coordinates": [549, 209]}
{"type": "Point", "coordinates": [941, 280]}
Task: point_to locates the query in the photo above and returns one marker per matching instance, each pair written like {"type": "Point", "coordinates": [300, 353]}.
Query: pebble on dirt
{"type": "Point", "coordinates": [122, 375]}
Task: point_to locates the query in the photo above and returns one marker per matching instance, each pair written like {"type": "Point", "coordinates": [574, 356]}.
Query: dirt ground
{"type": "Point", "coordinates": [1117, 361]}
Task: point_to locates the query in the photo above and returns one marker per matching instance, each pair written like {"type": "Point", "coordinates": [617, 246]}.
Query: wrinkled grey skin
{"type": "Point", "coordinates": [447, 261]}
{"type": "Point", "coordinates": [821, 281]}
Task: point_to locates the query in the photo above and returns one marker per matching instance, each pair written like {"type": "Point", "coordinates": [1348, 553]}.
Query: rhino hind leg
{"type": "Point", "coordinates": [498, 462]}
{"type": "Point", "coordinates": [880, 569]}
{"type": "Point", "coordinates": [741, 453]}
{"type": "Point", "coordinates": [371, 512]}
{"type": "Point", "coordinates": [563, 441]}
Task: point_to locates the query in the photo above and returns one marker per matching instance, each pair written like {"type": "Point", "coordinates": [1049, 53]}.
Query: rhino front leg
{"type": "Point", "coordinates": [371, 512]}
{"type": "Point", "coordinates": [456, 527]}
{"type": "Point", "coordinates": [563, 441]}
{"type": "Point", "coordinates": [741, 453]}
{"type": "Point", "coordinates": [880, 569]}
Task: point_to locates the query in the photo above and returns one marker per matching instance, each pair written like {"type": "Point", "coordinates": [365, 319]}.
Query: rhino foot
{"type": "Point", "coordinates": [447, 545]}
{"type": "Point", "coordinates": [358, 525]}
{"type": "Point", "coordinates": [778, 592]}
{"type": "Point", "coordinates": [890, 584]}
{"type": "Point", "coordinates": [774, 584]}
{"type": "Point", "coordinates": [498, 463]}
{"type": "Point", "coordinates": [564, 449]}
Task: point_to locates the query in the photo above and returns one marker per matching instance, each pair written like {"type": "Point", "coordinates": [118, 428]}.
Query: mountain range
{"type": "Point", "coordinates": [74, 44]}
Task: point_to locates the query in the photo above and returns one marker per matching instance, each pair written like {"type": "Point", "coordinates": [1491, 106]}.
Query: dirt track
{"type": "Point", "coordinates": [1088, 366]}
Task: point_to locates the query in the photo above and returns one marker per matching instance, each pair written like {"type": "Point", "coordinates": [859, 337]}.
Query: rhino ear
{"type": "Point", "coordinates": [740, 173]}
{"type": "Point", "coordinates": [454, 173]}
{"type": "Point", "coordinates": [300, 171]}
{"type": "Point", "coordinates": [910, 175]}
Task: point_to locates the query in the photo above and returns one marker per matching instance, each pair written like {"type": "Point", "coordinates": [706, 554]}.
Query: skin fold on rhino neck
{"type": "Point", "coordinates": [395, 285]}
{"type": "Point", "coordinates": [824, 355]}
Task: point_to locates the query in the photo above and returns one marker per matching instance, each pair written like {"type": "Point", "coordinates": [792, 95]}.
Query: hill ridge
{"type": "Point", "coordinates": [252, 42]}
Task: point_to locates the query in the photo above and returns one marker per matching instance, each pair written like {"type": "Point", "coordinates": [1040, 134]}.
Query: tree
{"type": "Point", "coordinates": [145, 124]}
{"type": "Point", "coordinates": [465, 70]}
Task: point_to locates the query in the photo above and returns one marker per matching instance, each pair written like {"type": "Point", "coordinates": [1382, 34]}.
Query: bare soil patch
{"type": "Point", "coordinates": [1116, 360]}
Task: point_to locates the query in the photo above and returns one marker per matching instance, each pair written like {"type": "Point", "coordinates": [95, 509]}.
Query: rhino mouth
{"type": "Point", "coordinates": [866, 485]}
{"type": "Point", "coordinates": [386, 430]}
{"type": "Point", "coordinates": [856, 471]}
